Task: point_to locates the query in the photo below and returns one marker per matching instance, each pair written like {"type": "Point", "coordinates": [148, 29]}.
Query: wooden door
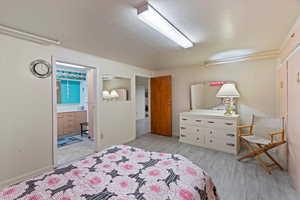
{"type": "Point", "coordinates": [294, 115]}
{"type": "Point", "coordinates": [161, 105]}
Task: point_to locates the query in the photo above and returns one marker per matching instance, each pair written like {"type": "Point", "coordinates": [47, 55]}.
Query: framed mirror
{"type": "Point", "coordinates": [116, 88]}
{"type": "Point", "coordinates": [203, 95]}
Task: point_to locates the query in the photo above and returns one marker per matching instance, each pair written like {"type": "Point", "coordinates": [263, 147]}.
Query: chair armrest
{"type": "Point", "coordinates": [277, 133]}
{"type": "Point", "coordinates": [246, 126]}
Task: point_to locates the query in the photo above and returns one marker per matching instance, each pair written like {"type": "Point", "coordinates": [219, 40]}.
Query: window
{"type": "Point", "coordinates": [69, 92]}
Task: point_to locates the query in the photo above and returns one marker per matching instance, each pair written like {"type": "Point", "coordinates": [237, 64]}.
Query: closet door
{"type": "Point", "coordinates": [282, 86]}
{"type": "Point", "coordinates": [161, 105]}
{"type": "Point", "coordinates": [294, 115]}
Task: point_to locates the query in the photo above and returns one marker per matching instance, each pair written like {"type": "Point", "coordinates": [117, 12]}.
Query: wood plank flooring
{"type": "Point", "coordinates": [234, 180]}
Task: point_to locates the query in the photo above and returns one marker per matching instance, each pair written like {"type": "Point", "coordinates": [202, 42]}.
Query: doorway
{"type": "Point", "coordinates": [142, 106]}
{"type": "Point", "coordinates": [74, 108]}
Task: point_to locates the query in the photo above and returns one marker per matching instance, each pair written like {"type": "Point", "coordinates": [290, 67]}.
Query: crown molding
{"type": "Point", "coordinates": [20, 34]}
{"type": "Point", "coordinates": [254, 56]}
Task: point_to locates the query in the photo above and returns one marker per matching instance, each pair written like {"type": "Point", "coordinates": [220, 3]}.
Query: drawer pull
{"type": "Point", "coordinates": [210, 141]}
{"type": "Point", "coordinates": [183, 135]}
{"type": "Point", "coordinates": [211, 132]}
{"type": "Point", "coordinates": [197, 138]}
{"type": "Point", "coordinates": [229, 124]}
{"type": "Point", "coordinates": [229, 144]}
{"type": "Point", "coordinates": [230, 135]}
{"type": "Point", "coordinates": [198, 130]}
{"type": "Point", "coordinates": [182, 128]}
{"type": "Point", "coordinates": [211, 122]}
{"type": "Point", "coordinates": [198, 120]}
{"type": "Point", "coordinates": [184, 119]}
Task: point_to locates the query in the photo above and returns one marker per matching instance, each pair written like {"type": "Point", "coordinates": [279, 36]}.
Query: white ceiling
{"type": "Point", "coordinates": [111, 29]}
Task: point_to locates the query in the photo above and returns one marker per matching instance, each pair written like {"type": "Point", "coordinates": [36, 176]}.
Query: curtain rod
{"type": "Point", "coordinates": [27, 36]}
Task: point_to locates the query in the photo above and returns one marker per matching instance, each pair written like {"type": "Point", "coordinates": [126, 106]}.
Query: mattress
{"type": "Point", "coordinates": [119, 173]}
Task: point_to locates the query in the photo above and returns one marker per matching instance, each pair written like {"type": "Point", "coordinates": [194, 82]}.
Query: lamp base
{"type": "Point", "coordinates": [228, 102]}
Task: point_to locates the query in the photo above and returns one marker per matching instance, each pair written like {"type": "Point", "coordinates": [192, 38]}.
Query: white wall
{"type": "Point", "coordinates": [26, 107]}
{"type": "Point", "coordinates": [26, 111]}
{"type": "Point", "coordinates": [140, 102]}
{"type": "Point", "coordinates": [255, 82]}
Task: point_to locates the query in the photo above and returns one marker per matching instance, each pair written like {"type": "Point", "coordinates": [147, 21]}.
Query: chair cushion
{"type": "Point", "coordinates": [257, 139]}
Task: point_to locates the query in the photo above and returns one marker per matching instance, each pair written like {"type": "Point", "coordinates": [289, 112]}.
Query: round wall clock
{"type": "Point", "coordinates": [41, 68]}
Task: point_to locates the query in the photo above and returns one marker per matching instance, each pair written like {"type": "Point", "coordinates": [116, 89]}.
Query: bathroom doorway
{"type": "Point", "coordinates": [142, 106]}
{"type": "Point", "coordinates": [74, 111]}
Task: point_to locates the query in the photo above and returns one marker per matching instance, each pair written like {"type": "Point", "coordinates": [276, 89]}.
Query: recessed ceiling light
{"type": "Point", "coordinates": [148, 14]}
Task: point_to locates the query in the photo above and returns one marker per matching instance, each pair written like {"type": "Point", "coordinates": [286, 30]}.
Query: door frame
{"type": "Point", "coordinates": [54, 106]}
{"type": "Point", "coordinates": [149, 99]}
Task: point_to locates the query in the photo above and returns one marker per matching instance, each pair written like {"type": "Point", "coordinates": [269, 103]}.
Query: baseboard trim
{"type": "Point", "coordinates": [24, 177]}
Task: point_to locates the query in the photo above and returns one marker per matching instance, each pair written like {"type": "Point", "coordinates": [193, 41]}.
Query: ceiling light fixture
{"type": "Point", "coordinates": [149, 15]}
{"type": "Point", "coordinates": [69, 65]}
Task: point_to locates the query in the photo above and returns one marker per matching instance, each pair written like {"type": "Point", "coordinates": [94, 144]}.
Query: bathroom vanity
{"type": "Point", "coordinates": [69, 122]}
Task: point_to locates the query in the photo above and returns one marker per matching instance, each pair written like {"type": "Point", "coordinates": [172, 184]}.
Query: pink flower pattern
{"type": "Point", "coordinates": [52, 182]}
{"type": "Point", "coordinates": [119, 173]}
{"type": "Point", "coordinates": [123, 185]}
{"type": "Point", "coordinates": [155, 173]}
{"type": "Point", "coordinates": [154, 190]}
{"type": "Point", "coordinates": [128, 168]}
{"type": "Point", "coordinates": [13, 192]}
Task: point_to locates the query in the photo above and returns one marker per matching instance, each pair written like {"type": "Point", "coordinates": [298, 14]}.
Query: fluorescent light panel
{"type": "Point", "coordinates": [153, 18]}
{"type": "Point", "coordinates": [70, 65]}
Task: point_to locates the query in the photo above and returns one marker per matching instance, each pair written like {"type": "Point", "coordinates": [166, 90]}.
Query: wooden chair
{"type": "Point", "coordinates": [263, 135]}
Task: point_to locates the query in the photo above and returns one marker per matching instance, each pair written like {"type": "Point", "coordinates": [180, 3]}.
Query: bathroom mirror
{"type": "Point", "coordinates": [116, 88]}
{"type": "Point", "coordinates": [203, 95]}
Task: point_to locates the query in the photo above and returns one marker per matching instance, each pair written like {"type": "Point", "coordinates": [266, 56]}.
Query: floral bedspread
{"type": "Point", "coordinates": [119, 173]}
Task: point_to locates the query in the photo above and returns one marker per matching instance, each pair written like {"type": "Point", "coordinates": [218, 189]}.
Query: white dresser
{"type": "Point", "coordinates": [210, 129]}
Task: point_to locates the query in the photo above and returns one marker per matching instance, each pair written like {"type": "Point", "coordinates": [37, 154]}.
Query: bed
{"type": "Point", "coordinates": [119, 173]}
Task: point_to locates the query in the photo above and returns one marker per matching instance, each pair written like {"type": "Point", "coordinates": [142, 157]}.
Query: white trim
{"type": "Point", "coordinates": [54, 107]}
{"type": "Point", "coordinates": [292, 53]}
{"type": "Point", "coordinates": [149, 98]}
{"type": "Point", "coordinates": [254, 56]}
{"type": "Point", "coordinates": [54, 114]}
{"type": "Point", "coordinates": [24, 177]}
{"type": "Point", "coordinates": [5, 30]}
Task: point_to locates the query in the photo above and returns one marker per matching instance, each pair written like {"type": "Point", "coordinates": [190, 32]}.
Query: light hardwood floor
{"type": "Point", "coordinates": [234, 180]}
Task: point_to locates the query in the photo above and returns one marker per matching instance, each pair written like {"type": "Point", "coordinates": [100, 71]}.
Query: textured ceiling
{"type": "Point", "coordinates": [111, 29]}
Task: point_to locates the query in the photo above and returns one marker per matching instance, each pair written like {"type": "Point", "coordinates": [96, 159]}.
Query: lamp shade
{"type": "Point", "coordinates": [106, 94]}
{"type": "Point", "coordinates": [114, 94]}
{"type": "Point", "coordinates": [228, 90]}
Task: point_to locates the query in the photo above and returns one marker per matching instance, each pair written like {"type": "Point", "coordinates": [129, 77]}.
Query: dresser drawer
{"type": "Point", "coordinates": [191, 120]}
{"type": "Point", "coordinates": [220, 123]}
{"type": "Point", "coordinates": [187, 136]}
{"type": "Point", "coordinates": [192, 135]}
{"type": "Point", "coordinates": [224, 134]}
{"type": "Point", "coordinates": [221, 145]}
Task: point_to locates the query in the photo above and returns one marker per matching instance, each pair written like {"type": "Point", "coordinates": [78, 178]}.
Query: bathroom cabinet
{"type": "Point", "coordinates": [69, 122]}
